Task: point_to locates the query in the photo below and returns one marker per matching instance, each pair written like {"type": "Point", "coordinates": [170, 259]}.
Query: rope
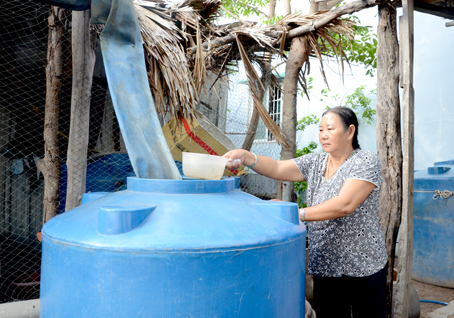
{"type": "Point", "coordinates": [439, 194]}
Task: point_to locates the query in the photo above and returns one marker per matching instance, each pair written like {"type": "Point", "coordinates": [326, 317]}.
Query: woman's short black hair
{"type": "Point", "coordinates": [348, 117]}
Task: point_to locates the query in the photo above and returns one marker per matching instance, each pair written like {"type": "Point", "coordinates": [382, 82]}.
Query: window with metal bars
{"type": "Point", "coordinates": [275, 109]}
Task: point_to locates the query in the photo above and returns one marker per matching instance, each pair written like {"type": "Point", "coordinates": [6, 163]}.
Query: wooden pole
{"type": "Point", "coordinates": [50, 165]}
{"type": "Point", "coordinates": [402, 300]}
{"type": "Point", "coordinates": [83, 58]}
{"type": "Point", "coordinates": [389, 147]}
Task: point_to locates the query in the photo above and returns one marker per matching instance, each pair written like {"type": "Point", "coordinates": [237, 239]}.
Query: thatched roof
{"type": "Point", "coordinates": [171, 35]}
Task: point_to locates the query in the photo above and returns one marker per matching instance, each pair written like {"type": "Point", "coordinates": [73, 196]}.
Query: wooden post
{"type": "Point", "coordinates": [388, 129]}
{"type": "Point", "coordinates": [50, 165]}
{"type": "Point", "coordinates": [83, 58]}
{"type": "Point", "coordinates": [406, 230]}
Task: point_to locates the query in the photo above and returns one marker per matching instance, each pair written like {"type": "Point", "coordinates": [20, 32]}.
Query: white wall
{"type": "Point", "coordinates": [240, 108]}
{"type": "Point", "coordinates": [434, 91]}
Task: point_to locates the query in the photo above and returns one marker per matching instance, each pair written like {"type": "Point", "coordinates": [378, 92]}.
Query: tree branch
{"type": "Point", "coordinates": [302, 30]}
{"type": "Point", "coordinates": [348, 8]}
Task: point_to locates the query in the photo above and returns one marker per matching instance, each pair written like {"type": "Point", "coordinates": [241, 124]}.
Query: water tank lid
{"type": "Point", "coordinates": [175, 216]}
{"type": "Point", "coordinates": [438, 170]}
{"type": "Point", "coordinates": [189, 186]}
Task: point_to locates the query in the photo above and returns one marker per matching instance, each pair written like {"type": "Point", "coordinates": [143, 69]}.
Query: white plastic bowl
{"type": "Point", "coordinates": [203, 166]}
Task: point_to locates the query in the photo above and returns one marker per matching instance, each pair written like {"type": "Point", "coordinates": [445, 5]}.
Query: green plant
{"type": "Point", "coordinates": [359, 50]}
{"type": "Point", "coordinates": [245, 8]}
{"type": "Point", "coordinates": [306, 121]}
{"type": "Point", "coordinates": [300, 187]}
{"type": "Point", "coordinates": [358, 101]}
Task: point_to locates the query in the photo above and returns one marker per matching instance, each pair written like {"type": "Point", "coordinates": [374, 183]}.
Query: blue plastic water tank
{"type": "Point", "coordinates": [433, 234]}
{"type": "Point", "coordinates": [174, 248]}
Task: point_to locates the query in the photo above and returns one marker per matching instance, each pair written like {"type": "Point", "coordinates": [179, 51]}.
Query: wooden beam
{"type": "Point", "coordinates": [402, 299]}
{"type": "Point", "coordinates": [450, 24]}
{"type": "Point", "coordinates": [436, 10]}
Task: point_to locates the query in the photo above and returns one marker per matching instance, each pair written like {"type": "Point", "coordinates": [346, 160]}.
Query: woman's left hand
{"type": "Point", "coordinates": [351, 195]}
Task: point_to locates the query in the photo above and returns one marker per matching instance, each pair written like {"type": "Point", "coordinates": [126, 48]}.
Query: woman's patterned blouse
{"type": "Point", "coordinates": [352, 245]}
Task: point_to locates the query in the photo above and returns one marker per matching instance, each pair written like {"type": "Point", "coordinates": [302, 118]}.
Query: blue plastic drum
{"type": "Point", "coordinates": [433, 234]}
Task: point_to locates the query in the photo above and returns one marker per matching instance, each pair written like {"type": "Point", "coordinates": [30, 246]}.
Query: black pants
{"type": "Point", "coordinates": [346, 297]}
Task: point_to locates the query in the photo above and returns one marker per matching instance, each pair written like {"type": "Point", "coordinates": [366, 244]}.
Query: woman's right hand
{"type": "Point", "coordinates": [242, 155]}
{"type": "Point", "coordinates": [276, 169]}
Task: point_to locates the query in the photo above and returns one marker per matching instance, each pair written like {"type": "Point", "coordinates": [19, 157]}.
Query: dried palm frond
{"type": "Point", "coordinates": [273, 39]}
{"type": "Point", "coordinates": [254, 85]}
{"type": "Point", "coordinates": [176, 80]}
{"type": "Point", "coordinates": [207, 9]}
{"type": "Point", "coordinates": [199, 73]}
{"type": "Point", "coordinates": [168, 71]}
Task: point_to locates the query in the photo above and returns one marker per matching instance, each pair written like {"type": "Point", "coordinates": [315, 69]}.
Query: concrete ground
{"type": "Point", "coordinates": [432, 292]}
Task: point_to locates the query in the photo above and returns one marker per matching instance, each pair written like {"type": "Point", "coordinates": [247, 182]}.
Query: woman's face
{"type": "Point", "coordinates": [332, 134]}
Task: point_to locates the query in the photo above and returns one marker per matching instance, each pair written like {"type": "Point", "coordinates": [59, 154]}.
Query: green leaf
{"type": "Point", "coordinates": [306, 121]}
{"type": "Point", "coordinates": [300, 187]}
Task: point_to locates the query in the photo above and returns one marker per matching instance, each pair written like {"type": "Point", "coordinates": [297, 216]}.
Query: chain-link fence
{"type": "Point", "coordinates": [23, 59]}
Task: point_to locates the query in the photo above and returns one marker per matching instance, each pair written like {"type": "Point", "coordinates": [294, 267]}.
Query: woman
{"type": "Point", "coordinates": [347, 254]}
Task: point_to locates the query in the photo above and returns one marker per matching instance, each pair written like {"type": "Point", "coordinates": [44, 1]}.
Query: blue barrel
{"type": "Point", "coordinates": [433, 234]}
{"type": "Point", "coordinates": [174, 248]}
{"type": "Point", "coordinates": [104, 173]}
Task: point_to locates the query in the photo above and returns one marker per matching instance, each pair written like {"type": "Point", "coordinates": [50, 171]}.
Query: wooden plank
{"type": "Point", "coordinates": [406, 43]}
{"type": "Point", "coordinates": [83, 61]}
{"type": "Point", "coordinates": [20, 205]}
{"type": "Point", "coordinates": [449, 24]}
{"type": "Point", "coordinates": [402, 298]}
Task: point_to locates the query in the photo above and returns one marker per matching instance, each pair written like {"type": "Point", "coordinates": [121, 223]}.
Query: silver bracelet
{"type": "Point", "coordinates": [302, 214]}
